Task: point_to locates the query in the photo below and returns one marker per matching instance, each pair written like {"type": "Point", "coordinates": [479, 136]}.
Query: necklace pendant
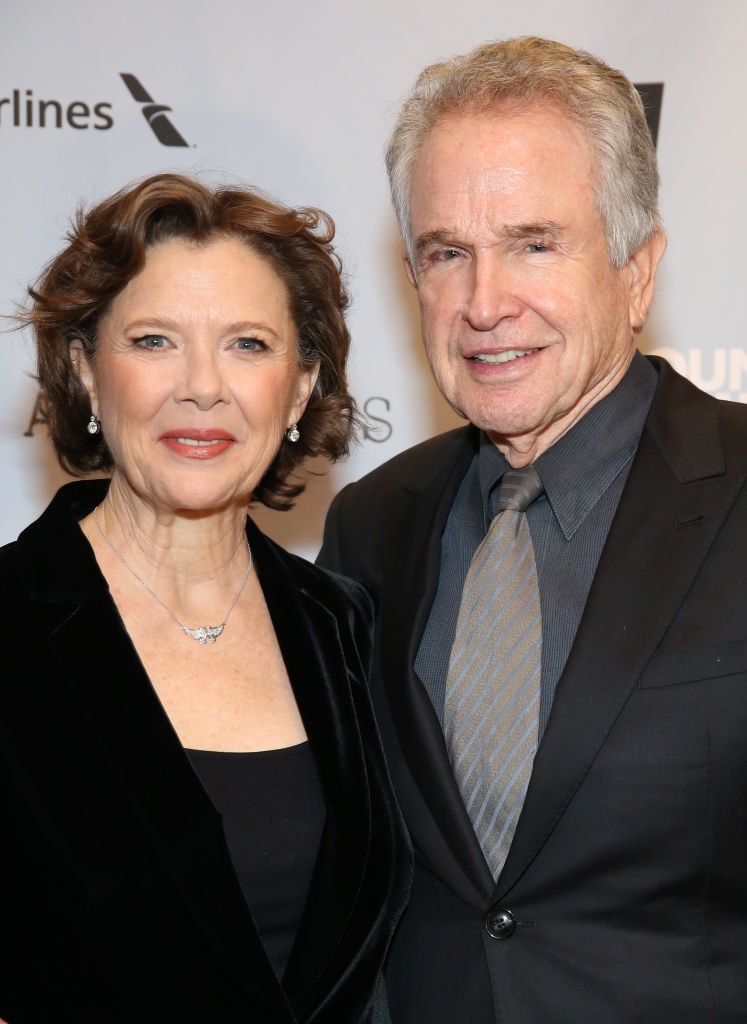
{"type": "Point", "coordinates": [204, 634]}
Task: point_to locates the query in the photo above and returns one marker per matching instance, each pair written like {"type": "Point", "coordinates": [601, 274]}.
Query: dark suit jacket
{"type": "Point", "coordinates": [628, 871]}
{"type": "Point", "coordinates": [118, 899]}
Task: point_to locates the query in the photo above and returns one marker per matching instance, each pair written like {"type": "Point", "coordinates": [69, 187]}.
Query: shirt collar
{"type": "Point", "coordinates": [577, 470]}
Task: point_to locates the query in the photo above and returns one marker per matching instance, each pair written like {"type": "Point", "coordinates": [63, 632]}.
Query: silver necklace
{"type": "Point", "coordinates": [202, 634]}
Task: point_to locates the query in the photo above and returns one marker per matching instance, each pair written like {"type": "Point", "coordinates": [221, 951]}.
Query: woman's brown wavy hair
{"type": "Point", "coordinates": [107, 246]}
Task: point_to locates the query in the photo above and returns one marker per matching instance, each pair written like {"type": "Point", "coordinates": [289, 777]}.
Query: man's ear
{"type": "Point", "coordinates": [410, 272]}
{"type": "Point", "coordinates": [642, 267]}
{"type": "Point", "coordinates": [82, 366]}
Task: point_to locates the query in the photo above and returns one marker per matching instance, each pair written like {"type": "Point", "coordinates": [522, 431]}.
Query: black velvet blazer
{"type": "Point", "coordinates": [118, 899]}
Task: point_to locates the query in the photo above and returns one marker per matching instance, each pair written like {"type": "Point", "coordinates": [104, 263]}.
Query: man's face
{"type": "Point", "coordinates": [526, 324]}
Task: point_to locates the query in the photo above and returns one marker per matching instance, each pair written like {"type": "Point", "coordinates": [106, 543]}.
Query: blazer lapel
{"type": "Point", "coordinates": [673, 505]}
{"type": "Point", "coordinates": [409, 581]}
{"type": "Point", "coordinates": [309, 639]}
{"type": "Point", "coordinates": [146, 759]}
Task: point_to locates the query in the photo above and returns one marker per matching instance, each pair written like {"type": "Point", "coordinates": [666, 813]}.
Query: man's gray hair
{"type": "Point", "coordinates": [515, 74]}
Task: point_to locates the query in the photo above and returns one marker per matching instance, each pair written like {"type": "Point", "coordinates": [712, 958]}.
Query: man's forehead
{"type": "Point", "coordinates": [460, 128]}
{"type": "Point", "coordinates": [479, 155]}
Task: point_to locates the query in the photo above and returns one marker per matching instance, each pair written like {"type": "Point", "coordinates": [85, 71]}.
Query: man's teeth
{"type": "Point", "coordinates": [195, 443]}
{"type": "Point", "coordinates": [496, 358]}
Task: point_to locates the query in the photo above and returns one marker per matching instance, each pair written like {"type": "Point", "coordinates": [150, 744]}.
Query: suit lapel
{"type": "Point", "coordinates": [409, 580]}
{"type": "Point", "coordinates": [673, 505]}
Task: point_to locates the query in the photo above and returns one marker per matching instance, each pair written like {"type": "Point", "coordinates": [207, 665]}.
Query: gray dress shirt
{"type": "Point", "coordinates": [583, 474]}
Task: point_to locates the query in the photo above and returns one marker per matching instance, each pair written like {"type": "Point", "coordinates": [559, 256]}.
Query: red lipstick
{"type": "Point", "coordinates": [200, 444]}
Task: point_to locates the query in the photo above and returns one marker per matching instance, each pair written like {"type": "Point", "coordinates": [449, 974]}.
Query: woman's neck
{"type": "Point", "coordinates": [176, 552]}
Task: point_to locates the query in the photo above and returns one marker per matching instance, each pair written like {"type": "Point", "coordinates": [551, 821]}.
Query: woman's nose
{"type": "Point", "coordinates": [202, 381]}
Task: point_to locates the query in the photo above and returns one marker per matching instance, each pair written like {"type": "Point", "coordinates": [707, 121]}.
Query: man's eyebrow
{"type": "Point", "coordinates": [542, 227]}
{"type": "Point", "coordinates": [439, 236]}
{"type": "Point", "coordinates": [429, 238]}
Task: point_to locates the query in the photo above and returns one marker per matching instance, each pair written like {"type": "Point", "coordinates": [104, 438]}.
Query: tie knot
{"type": "Point", "coordinates": [518, 489]}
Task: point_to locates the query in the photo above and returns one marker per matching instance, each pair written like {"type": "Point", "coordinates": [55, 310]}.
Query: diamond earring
{"type": "Point", "coordinates": [93, 426]}
{"type": "Point", "coordinates": [293, 433]}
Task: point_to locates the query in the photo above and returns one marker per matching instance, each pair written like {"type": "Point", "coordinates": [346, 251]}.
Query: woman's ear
{"type": "Point", "coordinates": [306, 384]}
{"type": "Point", "coordinates": [84, 371]}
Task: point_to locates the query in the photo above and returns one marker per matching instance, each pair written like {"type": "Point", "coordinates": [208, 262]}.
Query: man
{"type": "Point", "coordinates": [561, 667]}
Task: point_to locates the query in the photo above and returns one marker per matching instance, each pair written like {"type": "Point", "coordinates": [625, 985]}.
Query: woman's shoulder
{"type": "Point", "coordinates": [344, 597]}
{"type": "Point", "coordinates": [51, 557]}
{"type": "Point", "coordinates": [348, 589]}
{"type": "Point", "coordinates": [9, 568]}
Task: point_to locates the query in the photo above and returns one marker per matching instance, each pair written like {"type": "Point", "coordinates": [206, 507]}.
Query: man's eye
{"type": "Point", "coordinates": [155, 342]}
{"type": "Point", "coordinates": [250, 344]}
{"type": "Point", "coordinates": [445, 255]}
{"type": "Point", "coordinates": [538, 247]}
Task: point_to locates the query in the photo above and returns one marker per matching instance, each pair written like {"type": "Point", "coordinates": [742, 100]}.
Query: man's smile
{"type": "Point", "coordinates": [509, 354]}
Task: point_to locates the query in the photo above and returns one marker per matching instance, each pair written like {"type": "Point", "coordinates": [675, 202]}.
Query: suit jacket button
{"type": "Point", "coordinates": [500, 923]}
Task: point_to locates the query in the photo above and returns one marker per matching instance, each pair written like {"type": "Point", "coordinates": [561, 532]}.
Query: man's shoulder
{"type": "Point", "coordinates": [675, 388]}
{"type": "Point", "coordinates": [404, 494]}
{"type": "Point", "coordinates": [416, 466]}
{"type": "Point", "coordinates": [692, 424]}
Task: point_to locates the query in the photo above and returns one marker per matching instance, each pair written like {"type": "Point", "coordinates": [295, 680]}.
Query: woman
{"type": "Point", "coordinates": [197, 820]}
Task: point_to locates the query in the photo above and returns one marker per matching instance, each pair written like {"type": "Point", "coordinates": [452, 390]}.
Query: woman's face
{"type": "Point", "coordinates": [196, 376]}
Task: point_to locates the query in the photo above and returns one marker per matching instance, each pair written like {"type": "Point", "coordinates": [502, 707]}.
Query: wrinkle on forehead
{"type": "Point", "coordinates": [491, 179]}
{"type": "Point", "coordinates": [498, 170]}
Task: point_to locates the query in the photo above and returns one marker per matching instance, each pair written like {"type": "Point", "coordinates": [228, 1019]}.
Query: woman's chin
{"type": "Point", "coordinates": [196, 498]}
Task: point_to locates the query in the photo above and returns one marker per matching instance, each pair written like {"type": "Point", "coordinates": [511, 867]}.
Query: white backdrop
{"type": "Point", "coordinates": [299, 99]}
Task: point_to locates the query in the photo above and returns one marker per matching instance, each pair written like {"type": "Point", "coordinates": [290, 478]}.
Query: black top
{"type": "Point", "coordinates": [273, 815]}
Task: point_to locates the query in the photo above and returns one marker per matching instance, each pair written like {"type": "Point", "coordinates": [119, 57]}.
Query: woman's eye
{"type": "Point", "coordinates": [250, 344]}
{"type": "Point", "coordinates": [155, 342]}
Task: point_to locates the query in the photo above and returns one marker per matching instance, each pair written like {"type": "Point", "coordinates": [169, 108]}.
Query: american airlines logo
{"type": "Point", "coordinates": [21, 108]}
{"type": "Point", "coordinates": [154, 113]}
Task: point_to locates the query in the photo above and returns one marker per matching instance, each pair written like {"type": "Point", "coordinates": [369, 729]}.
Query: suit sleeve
{"type": "Point", "coordinates": [334, 547]}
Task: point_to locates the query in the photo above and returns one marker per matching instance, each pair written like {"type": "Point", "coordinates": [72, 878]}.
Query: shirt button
{"type": "Point", "coordinates": [500, 923]}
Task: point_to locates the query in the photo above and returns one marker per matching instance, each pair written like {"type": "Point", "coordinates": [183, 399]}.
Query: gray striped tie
{"type": "Point", "coordinates": [493, 686]}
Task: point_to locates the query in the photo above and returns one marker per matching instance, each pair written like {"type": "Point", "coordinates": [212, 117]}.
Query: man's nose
{"type": "Point", "coordinates": [492, 296]}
